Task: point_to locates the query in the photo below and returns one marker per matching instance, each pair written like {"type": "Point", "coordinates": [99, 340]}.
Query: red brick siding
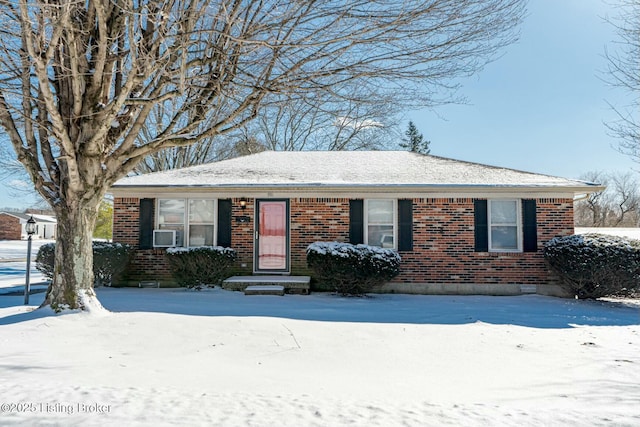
{"type": "Point", "coordinates": [242, 235]}
{"type": "Point", "coordinates": [147, 264]}
{"type": "Point", "coordinates": [315, 220]}
{"type": "Point", "coordinates": [443, 234]}
{"type": "Point", "coordinates": [126, 217]}
{"type": "Point", "coordinates": [443, 249]}
{"type": "Point", "coordinates": [10, 227]}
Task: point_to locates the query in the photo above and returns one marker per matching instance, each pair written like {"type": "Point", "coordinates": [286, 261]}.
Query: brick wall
{"type": "Point", "coordinates": [443, 235]}
{"type": "Point", "coordinates": [315, 220]}
{"type": "Point", "coordinates": [10, 227]}
{"type": "Point", "coordinates": [147, 264]}
{"type": "Point", "coordinates": [126, 218]}
{"type": "Point", "coordinates": [242, 235]}
{"type": "Point", "coordinates": [444, 252]}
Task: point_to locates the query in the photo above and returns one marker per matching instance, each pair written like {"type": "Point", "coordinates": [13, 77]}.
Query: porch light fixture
{"type": "Point", "coordinates": [30, 228]}
{"type": "Point", "coordinates": [243, 203]}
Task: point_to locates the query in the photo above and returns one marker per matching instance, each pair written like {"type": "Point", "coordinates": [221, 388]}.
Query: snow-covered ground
{"type": "Point", "coordinates": [17, 249]}
{"type": "Point", "coordinates": [171, 357]}
{"type": "Point", "coordinates": [632, 233]}
{"type": "Point", "coordinates": [13, 256]}
{"type": "Point", "coordinates": [164, 357]}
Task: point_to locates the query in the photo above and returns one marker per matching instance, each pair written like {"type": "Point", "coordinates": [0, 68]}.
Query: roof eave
{"type": "Point", "coordinates": [400, 188]}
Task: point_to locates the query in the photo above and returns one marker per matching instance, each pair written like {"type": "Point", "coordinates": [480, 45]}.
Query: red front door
{"type": "Point", "coordinates": [272, 236]}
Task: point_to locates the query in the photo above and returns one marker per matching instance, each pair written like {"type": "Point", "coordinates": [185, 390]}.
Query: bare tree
{"type": "Point", "coordinates": [617, 206]}
{"type": "Point", "coordinates": [625, 206]}
{"type": "Point", "coordinates": [318, 122]}
{"type": "Point", "coordinates": [79, 81]}
{"type": "Point", "coordinates": [293, 122]}
{"type": "Point", "coordinates": [588, 212]}
{"type": "Point", "coordinates": [624, 72]}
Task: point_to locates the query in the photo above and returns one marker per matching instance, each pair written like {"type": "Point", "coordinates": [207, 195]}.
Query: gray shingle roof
{"type": "Point", "coordinates": [348, 169]}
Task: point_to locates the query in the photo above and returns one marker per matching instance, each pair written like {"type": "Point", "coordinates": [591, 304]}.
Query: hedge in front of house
{"type": "Point", "coordinates": [200, 266]}
{"type": "Point", "coordinates": [595, 265]}
{"type": "Point", "coordinates": [45, 259]}
{"type": "Point", "coordinates": [352, 269]}
{"type": "Point", "coordinates": [109, 260]}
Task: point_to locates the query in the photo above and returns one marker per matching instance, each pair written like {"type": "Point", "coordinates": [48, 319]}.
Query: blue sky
{"type": "Point", "coordinates": [540, 107]}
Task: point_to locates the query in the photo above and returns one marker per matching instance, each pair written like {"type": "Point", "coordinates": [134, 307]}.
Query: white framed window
{"type": "Point", "coordinates": [505, 226]}
{"type": "Point", "coordinates": [193, 220]}
{"type": "Point", "coordinates": [171, 216]}
{"type": "Point", "coordinates": [380, 219]}
{"type": "Point", "coordinates": [201, 222]}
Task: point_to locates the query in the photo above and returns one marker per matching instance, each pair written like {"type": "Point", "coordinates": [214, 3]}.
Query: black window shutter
{"type": "Point", "coordinates": [356, 221]}
{"type": "Point", "coordinates": [145, 227]}
{"type": "Point", "coordinates": [405, 225]}
{"type": "Point", "coordinates": [481, 226]}
{"type": "Point", "coordinates": [224, 223]}
{"type": "Point", "coordinates": [529, 226]}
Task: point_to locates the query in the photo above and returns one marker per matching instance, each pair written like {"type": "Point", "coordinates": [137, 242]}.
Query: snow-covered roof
{"type": "Point", "coordinates": [339, 169]}
{"type": "Point", "coordinates": [44, 218]}
{"type": "Point", "coordinates": [24, 217]}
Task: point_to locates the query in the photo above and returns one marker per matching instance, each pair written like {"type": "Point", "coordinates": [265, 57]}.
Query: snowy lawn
{"type": "Point", "coordinates": [632, 233]}
{"type": "Point", "coordinates": [17, 249]}
{"type": "Point", "coordinates": [216, 358]}
{"type": "Point", "coordinates": [13, 265]}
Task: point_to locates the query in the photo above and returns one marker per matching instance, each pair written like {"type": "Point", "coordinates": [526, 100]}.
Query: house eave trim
{"type": "Point", "coordinates": [373, 188]}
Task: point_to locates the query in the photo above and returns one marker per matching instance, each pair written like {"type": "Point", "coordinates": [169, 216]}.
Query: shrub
{"type": "Point", "coordinates": [200, 266]}
{"type": "Point", "coordinates": [109, 260]}
{"type": "Point", "coordinates": [595, 265]}
{"type": "Point", "coordinates": [45, 259]}
{"type": "Point", "coordinates": [352, 269]}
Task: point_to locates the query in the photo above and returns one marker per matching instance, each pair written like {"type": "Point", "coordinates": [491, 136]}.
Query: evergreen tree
{"type": "Point", "coordinates": [414, 141]}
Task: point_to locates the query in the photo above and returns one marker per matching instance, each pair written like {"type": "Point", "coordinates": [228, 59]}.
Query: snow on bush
{"type": "Point", "coordinates": [200, 266]}
{"type": "Point", "coordinates": [352, 269]}
{"type": "Point", "coordinates": [109, 260]}
{"type": "Point", "coordinates": [45, 259]}
{"type": "Point", "coordinates": [595, 265]}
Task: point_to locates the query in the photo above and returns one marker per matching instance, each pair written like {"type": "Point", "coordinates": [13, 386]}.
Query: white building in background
{"type": "Point", "coordinates": [12, 226]}
{"type": "Point", "coordinates": [46, 226]}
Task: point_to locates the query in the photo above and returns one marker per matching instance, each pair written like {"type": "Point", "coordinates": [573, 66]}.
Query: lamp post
{"type": "Point", "coordinates": [30, 228]}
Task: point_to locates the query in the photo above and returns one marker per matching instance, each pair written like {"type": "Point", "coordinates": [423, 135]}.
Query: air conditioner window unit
{"type": "Point", "coordinates": [164, 238]}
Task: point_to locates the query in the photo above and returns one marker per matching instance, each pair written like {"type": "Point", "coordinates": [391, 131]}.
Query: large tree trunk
{"type": "Point", "coordinates": [88, 89]}
{"type": "Point", "coordinates": [72, 285]}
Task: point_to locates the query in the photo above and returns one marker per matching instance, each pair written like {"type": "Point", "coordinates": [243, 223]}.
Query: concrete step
{"type": "Point", "coordinates": [291, 284]}
{"type": "Point", "coordinates": [264, 290]}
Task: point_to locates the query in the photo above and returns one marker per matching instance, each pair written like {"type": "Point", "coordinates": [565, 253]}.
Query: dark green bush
{"type": "Point", "coordinates": [200, 266]}
{"type": "Point", "coordinates": [109, 260]}
{"type": "Point", "coordinates": [45, 259]}
{"type": "Point", "coordinates": [595, 265]}
{"type": "Point", "coordinates": [352, 269]}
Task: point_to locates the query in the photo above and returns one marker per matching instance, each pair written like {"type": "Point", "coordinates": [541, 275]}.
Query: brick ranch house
{"type": "Point", "coordinates": [459, 227]}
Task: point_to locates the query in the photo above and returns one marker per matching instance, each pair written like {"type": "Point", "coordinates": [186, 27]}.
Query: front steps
{"type": "Point", "coordinates": [268, 285]}
{"type": "Point", "coordinates": [264, 290]}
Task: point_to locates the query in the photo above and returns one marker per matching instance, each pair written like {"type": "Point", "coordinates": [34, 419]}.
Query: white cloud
{"type": "Point", "coordinates": [357, 124]}
{"type": "Point", "coordinates": [20, 184]}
